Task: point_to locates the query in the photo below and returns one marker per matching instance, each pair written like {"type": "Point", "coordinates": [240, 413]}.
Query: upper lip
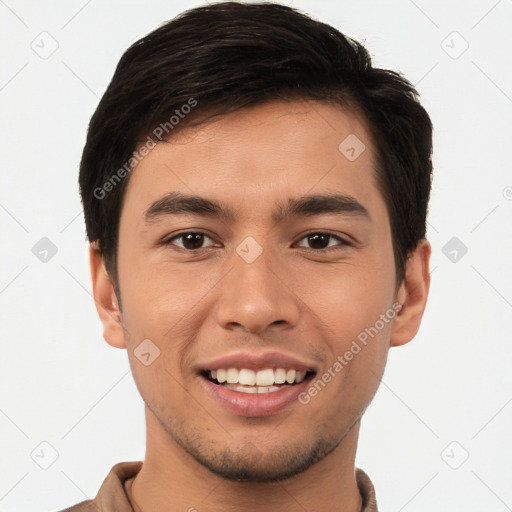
{"type": "Point", "coordinates": [257, 361]}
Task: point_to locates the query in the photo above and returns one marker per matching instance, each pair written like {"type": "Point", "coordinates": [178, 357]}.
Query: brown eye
{"type": "Point", "coordinates": [320, 241]}
{"type": "Point", "coordinates": [190, 241]}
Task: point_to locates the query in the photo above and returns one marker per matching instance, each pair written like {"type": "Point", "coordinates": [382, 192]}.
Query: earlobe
{"type": "Point", "coordinates": [412, 295]}
{"type": "Point", "coordinates": [105, 299]}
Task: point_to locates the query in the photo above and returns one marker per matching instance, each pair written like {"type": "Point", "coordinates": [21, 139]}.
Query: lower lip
{"type": "Point", "coordinates": [254, 404]}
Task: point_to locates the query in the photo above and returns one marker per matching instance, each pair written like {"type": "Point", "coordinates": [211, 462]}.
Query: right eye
{"type": "Point", "coordinates": [191, 240]}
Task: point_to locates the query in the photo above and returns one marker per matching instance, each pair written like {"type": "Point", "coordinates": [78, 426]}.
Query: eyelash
{"type": "Point", "coordinates": [342, 241]}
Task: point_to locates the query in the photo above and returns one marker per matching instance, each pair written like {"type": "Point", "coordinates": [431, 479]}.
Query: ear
{"type": "Point", "coordinates": [412, 294]}
{"type": "Point", "coordinates": [105, 299]}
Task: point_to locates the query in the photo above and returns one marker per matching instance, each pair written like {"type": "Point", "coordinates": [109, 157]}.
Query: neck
{"type": "Point", "coordinates": [171, 480]}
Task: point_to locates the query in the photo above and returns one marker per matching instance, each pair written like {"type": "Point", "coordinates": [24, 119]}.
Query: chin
{"type": "Point", "coordinates": [249, 464]}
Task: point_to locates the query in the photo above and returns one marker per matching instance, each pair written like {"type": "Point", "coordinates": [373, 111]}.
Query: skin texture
{"type": "Point", "coordinates": [294, 298]}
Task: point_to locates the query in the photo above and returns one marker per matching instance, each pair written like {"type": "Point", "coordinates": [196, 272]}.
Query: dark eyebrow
{"type": "Point", "coordinates": [306, 206]}
{"type": "Point", "coordinates": [176, 203]}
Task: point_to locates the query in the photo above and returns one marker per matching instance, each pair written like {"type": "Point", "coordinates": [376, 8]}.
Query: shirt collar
{"type": "Point", "coordinates": [112, 494]}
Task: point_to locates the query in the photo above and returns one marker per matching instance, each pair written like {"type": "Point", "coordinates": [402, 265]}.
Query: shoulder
{"type": "Point", "coordinates": [84, 506]}
{"type": "Point", "coordinates": [111, 496]}
{"type": "Point", "coordinates": [367, 491]}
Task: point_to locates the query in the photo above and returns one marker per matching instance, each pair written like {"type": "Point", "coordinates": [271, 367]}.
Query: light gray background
{"type": "Point", "coordinates": [444, 396]}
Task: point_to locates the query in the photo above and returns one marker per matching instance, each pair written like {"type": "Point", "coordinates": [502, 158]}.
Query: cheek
{"type": "Point", "coordinates": [160, 305]}
{"type": "Point", "coordinates": [340, 394]}
{"type": "Point", "coordinates": [355, 312]}
{"type": "Point", "coordinates": [167, 305]}
{"type": "Point", "coordinates": [349, 298]}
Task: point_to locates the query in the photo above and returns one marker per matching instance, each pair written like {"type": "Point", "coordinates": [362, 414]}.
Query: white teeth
{"type": "Point", "coordinates": [290, 376]}
{"type": "Point", "coordinates": [232, 375]}
{"type": "Point", "coordinates": [300, 377]}
{"type": "Point", "coordinates": [247, 377]}
{"type": "Point", "coordinates": [255, 389]}
{"type": "Point", "coordinates": [280, 376]}
{"type": "Point", "coordinates": [265, 378]}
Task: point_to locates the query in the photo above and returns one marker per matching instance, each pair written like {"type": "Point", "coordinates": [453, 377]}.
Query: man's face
{"type": "Point", "coordinates": [262, 291]}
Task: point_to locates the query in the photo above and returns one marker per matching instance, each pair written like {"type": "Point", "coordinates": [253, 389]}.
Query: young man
{"type": "Point", "coordinates": [255, 195]}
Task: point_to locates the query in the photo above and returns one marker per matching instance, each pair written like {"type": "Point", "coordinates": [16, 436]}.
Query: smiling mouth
{"type": "Point", "coordinates": [267, 380]}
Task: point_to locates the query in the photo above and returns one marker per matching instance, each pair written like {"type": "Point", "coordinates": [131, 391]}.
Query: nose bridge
{"type": "Point", "coordinates": [253, 295]}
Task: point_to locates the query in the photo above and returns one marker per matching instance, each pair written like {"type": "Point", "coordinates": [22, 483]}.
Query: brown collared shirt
{"type": "Point", "coordinates": [112, 495]}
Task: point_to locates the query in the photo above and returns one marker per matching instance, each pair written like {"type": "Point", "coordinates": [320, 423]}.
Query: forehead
{"type": "Point", "coordinates": [266, 153]}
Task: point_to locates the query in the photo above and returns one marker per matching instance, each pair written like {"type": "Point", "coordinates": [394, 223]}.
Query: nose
{"type": "Point", "coordinates": [257, 296]}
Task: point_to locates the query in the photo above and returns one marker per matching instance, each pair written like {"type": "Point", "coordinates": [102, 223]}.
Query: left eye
{"type": "Point", "coordinates": [322, 240]}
